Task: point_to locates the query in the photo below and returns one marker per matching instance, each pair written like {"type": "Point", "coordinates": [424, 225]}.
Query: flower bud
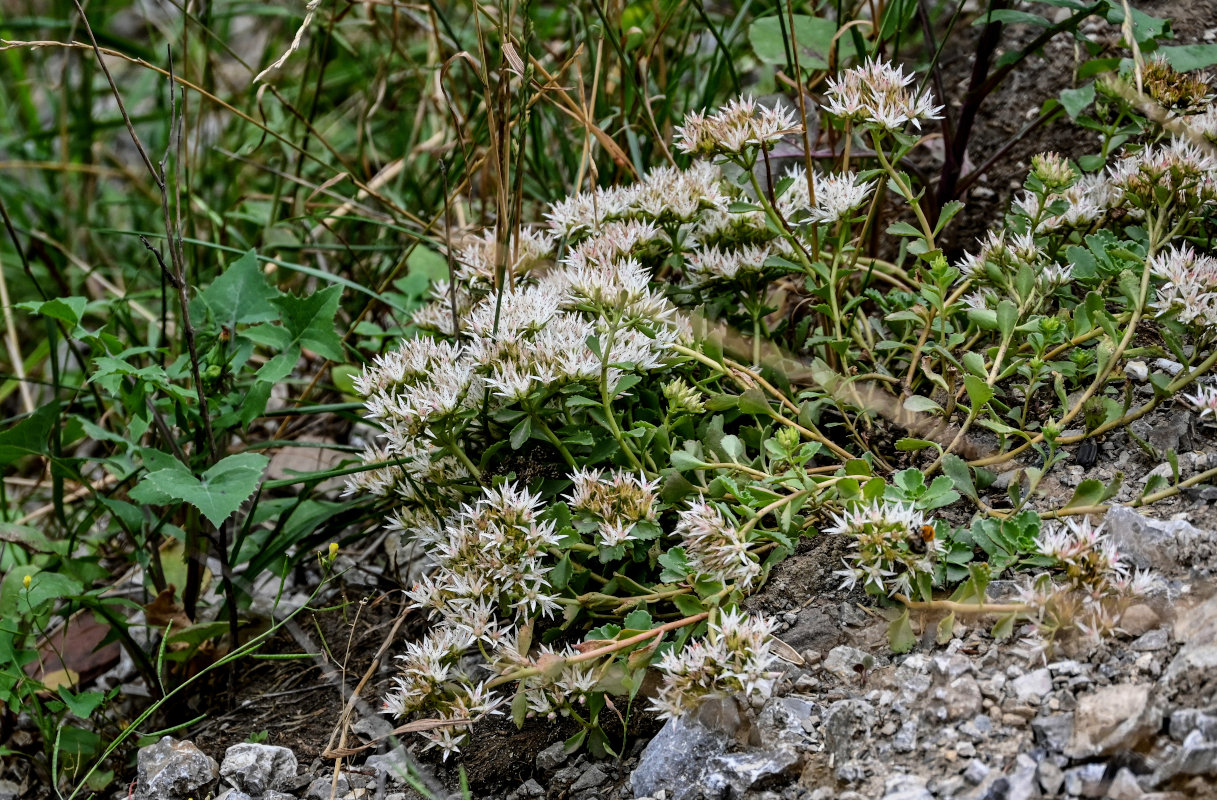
{"type": "Point", "coordinates": [683, 397]}
{"type": "Point", "coordinates": [788, 439]}
{"type": "Point", "coordinates": [1054, 170]}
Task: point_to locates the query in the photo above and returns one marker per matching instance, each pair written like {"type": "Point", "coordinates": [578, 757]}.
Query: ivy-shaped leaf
{"type": "Point", "coordinates": [219, 491]}
{"type": "Point", "coordinates": [241, 294]}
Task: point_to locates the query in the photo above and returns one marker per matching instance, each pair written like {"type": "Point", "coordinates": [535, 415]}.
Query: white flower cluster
{"type": "Point", "coordinates": [1204, 401]}
{"type": "Point", "coordinates": [1097, 585]}
{"type": "Point", "coordinates": [490, 557]}
{"type": "Point", "coordinates": [893, 549]}
{"type": "Point", "coordinates": [733, 658]}
{"type": "Point", "coordinates": [877, 93]}
{"type": "Point", "coordinates": [1191, 285]}
{"type": "Point", "coordinates": [1001, 256]}
{"type": "Point", "coordinates": [613, 506]}
{"type": "Point", "coordinates": [735, 128]}
{"type": "Point", "coordinates": [555, 691]}
{"type": "Point", "coordinates": [665, 195]}
{"type": "Point", "coordinates": [714, 546]}
{"type": "Point", "coordinates": [1178, 173]}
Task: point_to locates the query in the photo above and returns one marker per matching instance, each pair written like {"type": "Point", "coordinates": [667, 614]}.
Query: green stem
{"type": "Point", "coordinates": [927, 229]}
{"type": "Point", "coordinates": [607, 401]}
{"type": "Point", "coordinates": [552, 437]}
{"type": "Point", "coordinates": [459, 452]}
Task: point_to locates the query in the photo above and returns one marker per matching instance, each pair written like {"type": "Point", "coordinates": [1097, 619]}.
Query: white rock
{"type": "Point", "coordinates": [1032, 687]}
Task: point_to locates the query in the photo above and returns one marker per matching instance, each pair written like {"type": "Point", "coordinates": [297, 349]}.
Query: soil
{"type": "Point", "coordinates": [1019, 98]}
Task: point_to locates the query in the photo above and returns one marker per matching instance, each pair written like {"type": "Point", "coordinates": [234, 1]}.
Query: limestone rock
{"type": "Point", "coordinates": [255, 768]}
{"type": "Point", "coordinates": [1113, 718]}
{"type": "Point", "coordinates": [173, 770]}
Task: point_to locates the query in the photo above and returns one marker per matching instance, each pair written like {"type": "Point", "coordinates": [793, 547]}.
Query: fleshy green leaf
{"type": "Point", "coordinates": [900, 635]}
{"type": "Point", "coordinates": [957, 470]}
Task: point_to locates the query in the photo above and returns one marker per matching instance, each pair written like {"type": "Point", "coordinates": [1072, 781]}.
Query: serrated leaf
{"type": "Point", "coordinates": [675, 565]}
{"type": "Point", "coordinates": [637, 620]}
{"type": "Point", "coordinates": [241, 294]}
{"type": "Point", "coordinates": [753, 402]}
{"type": "Point", "coordinates": [309, 321]}
{"type": "Point", "coordinates": [974, 362]}
{"type": "Point", "coordinates": [979, 392]}
{"type": "Point", "coordinates": [219, 491]}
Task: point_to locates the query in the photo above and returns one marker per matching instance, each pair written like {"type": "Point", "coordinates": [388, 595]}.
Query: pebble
{"type": "Point", "coordinates": [1051, 778]}
{"type": "Point", "coordinates": [1032, 687]}
{"type": "Point", "coordinates": [976, 772]}
{"type": "Point", "coordinates": [1151, 641]}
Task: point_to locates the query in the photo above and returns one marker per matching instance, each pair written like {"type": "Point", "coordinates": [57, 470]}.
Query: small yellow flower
{"type": "Point", "coordinates": [333, 550]}
{"type": "Point", "coordinates": [26, 581]}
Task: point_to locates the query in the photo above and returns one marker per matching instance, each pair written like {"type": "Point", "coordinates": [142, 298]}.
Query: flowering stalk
{"type": "Point", "coordinates": [927, 230]}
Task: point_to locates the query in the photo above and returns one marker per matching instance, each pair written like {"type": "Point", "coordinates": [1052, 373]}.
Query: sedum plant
{"type": "Point", "coordinates": [610, 427]}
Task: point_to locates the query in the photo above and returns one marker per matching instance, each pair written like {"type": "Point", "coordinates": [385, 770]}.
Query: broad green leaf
{"type": "Point", "coordinates": [900, 635]}
{"type": "Point", "coordinates": [946, 629]}
{"type": "Point", "coordinates": [688, 605]}
{"type": "Point", "coordinates": [1012, 17]}
{"type": "Point", "coordinates": [813, 35]}
{"type": "Point", "coordinates": [975, 363]}
{"type": "Point", "coordinates": [675, 565]}
{"type": "Point", "coordinates": [68, 310]}
{"type": "Point", "coordinates": [82, 704]}
{"type": "Point", "coordinates": [219, 491]}
{"type": "Point", "coordinates": [683, 460]}
{"type": "Point", "coordinates": [1007, 317]}
{"type": "Point", "coordinates": [1187, 57]}
{"type": "Point", "coordinates": [1075, 101]}
{"type": "Point", "coordinates": [45, 587]}
{"type": "Point", "coordinates": [520, 433]}
{"type": "Point", "coordinates": [29, 436]}
{"type": "Point", "coordinates": [241, 294]}
{"type": "Point", "coordinates": [984, 318]}
{"type": "Point", "coordinates": [309, 321]}
{"type": "Point", "coordinates": [519, 707]}
{"type": "Point", "coordinates": [637, 620]}
{"type": "Point", "coordinates": [1089, 493]}
{"type": "Point", "coordinates": [753, 402]}
{"type": "Point", "coordinates": [1003, 628]}
{"type": "Point", "coordinates": [560, 575]}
